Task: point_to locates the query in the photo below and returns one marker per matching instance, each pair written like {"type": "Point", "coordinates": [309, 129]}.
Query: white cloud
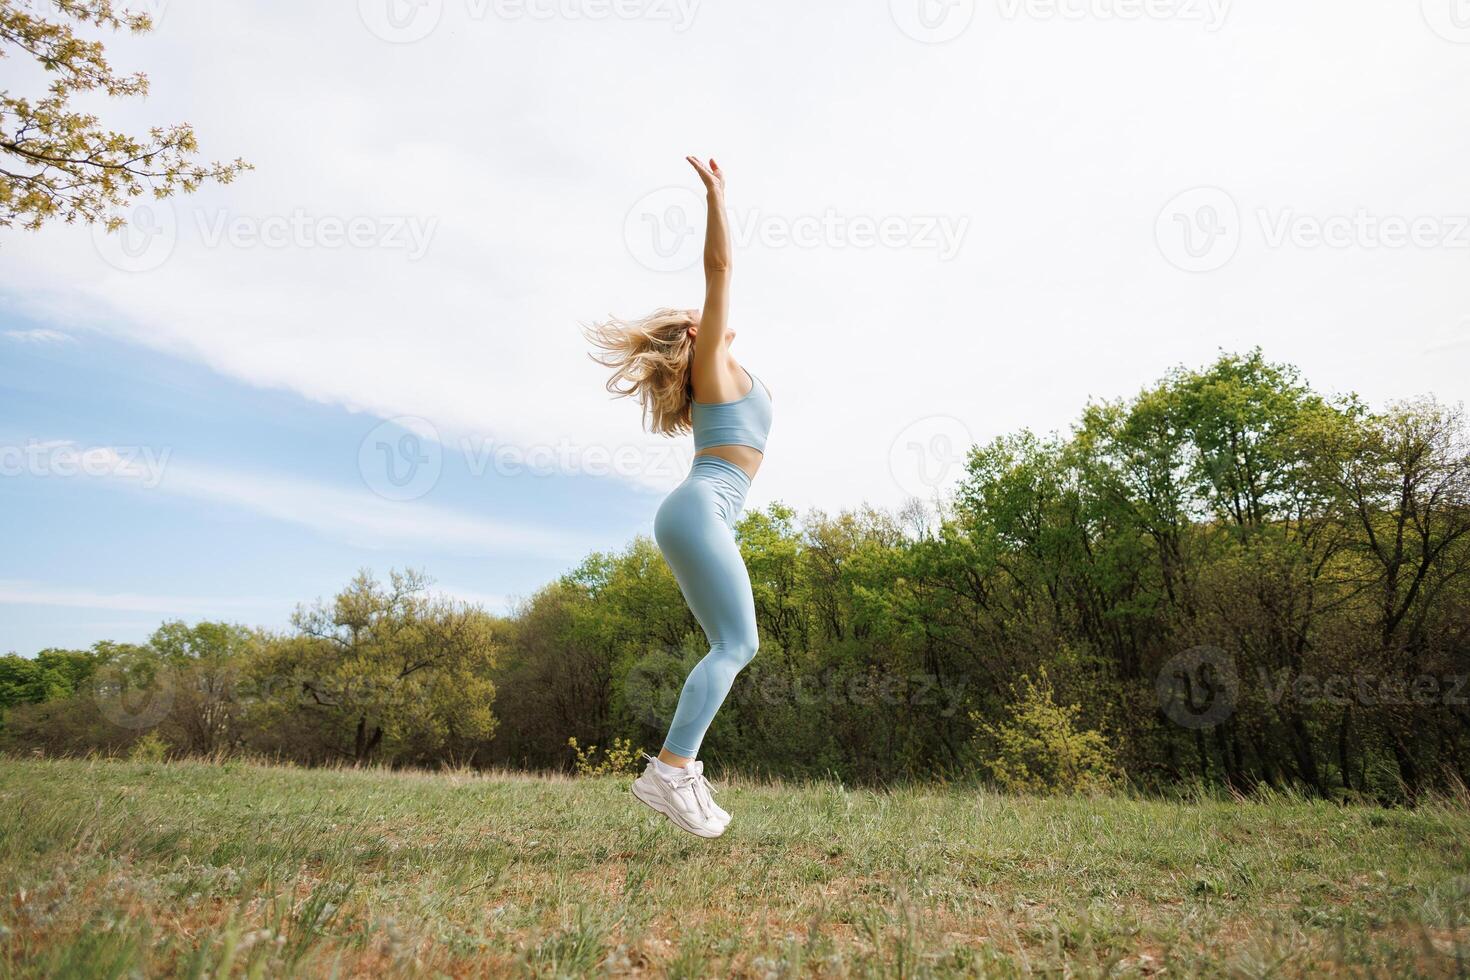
{"type": "Point", "coordinates": [40, 335]}
{"type": "Point", "coordinates": [65, 458]}
{"type": "Point", "coordinates": [15, 592]}
{"type": "Point", "coordinates": [358, 517]}
{"type": "Point", "coordinates": [26, 593]}
{"type": "Point", "coordinates": [527, 140]}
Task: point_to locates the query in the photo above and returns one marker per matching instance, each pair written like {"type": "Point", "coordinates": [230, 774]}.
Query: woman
{"type": "Point", "coordinates": [679, 364]}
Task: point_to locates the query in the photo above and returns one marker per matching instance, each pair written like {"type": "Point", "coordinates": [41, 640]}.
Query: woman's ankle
{"type": "Point", "coordinates": [671, 759]}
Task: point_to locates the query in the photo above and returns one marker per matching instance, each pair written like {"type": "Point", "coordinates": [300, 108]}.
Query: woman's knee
{"type": "Point", "coordinates": [740, 650]}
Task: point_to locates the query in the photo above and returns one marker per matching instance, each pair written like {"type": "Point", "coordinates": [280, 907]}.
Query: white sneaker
{"type": "Point", "coordinates": [683, 799]}
{"type": "Point", "coordinates": [706, 789]}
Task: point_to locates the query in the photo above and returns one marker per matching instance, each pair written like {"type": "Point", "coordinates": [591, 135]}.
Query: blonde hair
{"type": "Point", "coordinates": [652, 358]}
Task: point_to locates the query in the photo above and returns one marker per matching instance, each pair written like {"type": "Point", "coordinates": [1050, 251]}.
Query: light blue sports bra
{"type": "Point", "coordinates": [743, 422]}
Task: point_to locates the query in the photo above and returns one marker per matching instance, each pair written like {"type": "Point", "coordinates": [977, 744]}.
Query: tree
{"type": "Point", "coordinates": [574, 646]}
{"type": "Point", "coordinates": [1299, 565]}
{"type": "Point", "coordinates": [393, 672]}
{"type": "Point", "coordinates": [61, 163]}
{"type": "Point", "coordinates": [206, 662]}
{"type": "Point", "coordinates": [1406, 482]}
{"type": "Point", "coordinates": [48, 676]}
{"type": "Point", "coordinates": [84, 702]}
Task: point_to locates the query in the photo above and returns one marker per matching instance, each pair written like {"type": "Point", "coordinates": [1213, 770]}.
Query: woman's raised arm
{"type": "Point", "coordinates": [714, 318]}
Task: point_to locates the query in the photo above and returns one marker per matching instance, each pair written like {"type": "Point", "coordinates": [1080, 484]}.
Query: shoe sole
{"type": "Point", "coordinates": [655, 804]}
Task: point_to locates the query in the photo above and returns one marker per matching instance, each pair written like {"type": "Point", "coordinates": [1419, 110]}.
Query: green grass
{"type": "Point", "coordinates": [119, 869]}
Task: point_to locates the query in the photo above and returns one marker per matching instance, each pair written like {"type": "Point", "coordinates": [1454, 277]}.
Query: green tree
{"type": "Point", "coordinates": [391, 672]}
{"type": "Point", "coordinates": [207, 663]}
{"type": "Point", "coordinates": [50, 675]}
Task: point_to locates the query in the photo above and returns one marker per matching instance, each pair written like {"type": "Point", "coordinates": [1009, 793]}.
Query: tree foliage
{"type": "Point", "coordinates": [1226, 579]}
{"type": "Point", "coordinates": [59, 162]}
{"type": "Point", "coordinates": [1038, 746]}
{"type": "Point", "coordinates": [382, 673]}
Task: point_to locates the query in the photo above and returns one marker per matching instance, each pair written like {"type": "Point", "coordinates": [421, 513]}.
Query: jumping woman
{"type": "Point", "coordinates": [679, 364]}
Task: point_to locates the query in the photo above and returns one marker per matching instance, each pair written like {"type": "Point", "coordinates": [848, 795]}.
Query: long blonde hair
{"type": "Point", "coordinates": [652, 358]}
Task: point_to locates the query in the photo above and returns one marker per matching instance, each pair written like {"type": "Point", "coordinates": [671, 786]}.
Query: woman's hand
{"type": "Point", "coordinates": [711, 174]}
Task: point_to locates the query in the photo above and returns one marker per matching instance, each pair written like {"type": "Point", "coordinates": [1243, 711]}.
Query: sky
{"type": "Point", "coordinates": [953, 219]}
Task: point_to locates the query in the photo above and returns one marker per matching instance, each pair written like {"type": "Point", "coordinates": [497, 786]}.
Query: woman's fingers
{"type": "Point", "coordinates": [711, 174]}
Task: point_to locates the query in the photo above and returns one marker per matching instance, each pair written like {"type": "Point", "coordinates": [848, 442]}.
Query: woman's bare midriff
{"type": "Point", "coordinates": [745, 457]}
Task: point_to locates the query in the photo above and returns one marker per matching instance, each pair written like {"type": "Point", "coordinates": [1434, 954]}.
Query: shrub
{"type": "Point", "coordinates": [620, 759]}
{"type": "Point", "coordinates": [150, 748]}
{"type": "Point", "coordinates": [1040, 749]}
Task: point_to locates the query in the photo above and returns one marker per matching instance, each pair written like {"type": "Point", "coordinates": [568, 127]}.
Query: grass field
{"type": "Point", "coordinates": [118, 869]}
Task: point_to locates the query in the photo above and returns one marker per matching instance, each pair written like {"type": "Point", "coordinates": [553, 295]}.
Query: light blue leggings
{"type": "Point", "coordinates": [695, 529]}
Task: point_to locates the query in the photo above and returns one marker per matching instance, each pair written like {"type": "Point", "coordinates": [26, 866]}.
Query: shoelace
{"type": "Point", "coordinates": [704, 792]}
{"type": "Point", "coordinates": [693, 781]}
{"type": "Point", "coordinates": [693, 778]}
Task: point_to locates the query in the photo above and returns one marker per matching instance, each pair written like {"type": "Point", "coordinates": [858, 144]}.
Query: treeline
{"type": "Point", "coordinates": [1227, 579]}
{"type": "Point", "coordinates": [382, 673]}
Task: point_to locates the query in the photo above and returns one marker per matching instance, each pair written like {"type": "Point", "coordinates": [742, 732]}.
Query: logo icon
{"type": "Point", "coordinates": [402, 458]}
{"type": "Point", "coordinates": [133, 695]}
{"type": "Point", "coordinates": [1450, 19]}
{"type": "Point", "coordinates": [1198, 688]}
{"type": "Point", "coordinates": [144, 241]}
{"type": "Point", "coordinates": [662, 229]}
{"type": "Point", "coordinates": [653, 685]}
{"type": "Point", "coordinates": [1199, 231]}
{"type": "Point", "coordinates": [929, 454]}
{"type": "Point", "coordinates": [401, 21]}
{"type": "Point", "coordinates": [932, 21]}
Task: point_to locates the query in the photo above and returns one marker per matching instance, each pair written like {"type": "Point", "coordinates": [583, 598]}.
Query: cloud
{"type": "Point", "coordinates": [62, 458]}
{"type": "Point", "coordinates": [40, 335]}
{"type": "Point", "coordinates": [358, 517]}
{"type": "Point", "coordinates": [21, 592]}
{"type": "Point", "coordinates": [17, 592]}
{"type": "Point", "coordinates": [521, 146]}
